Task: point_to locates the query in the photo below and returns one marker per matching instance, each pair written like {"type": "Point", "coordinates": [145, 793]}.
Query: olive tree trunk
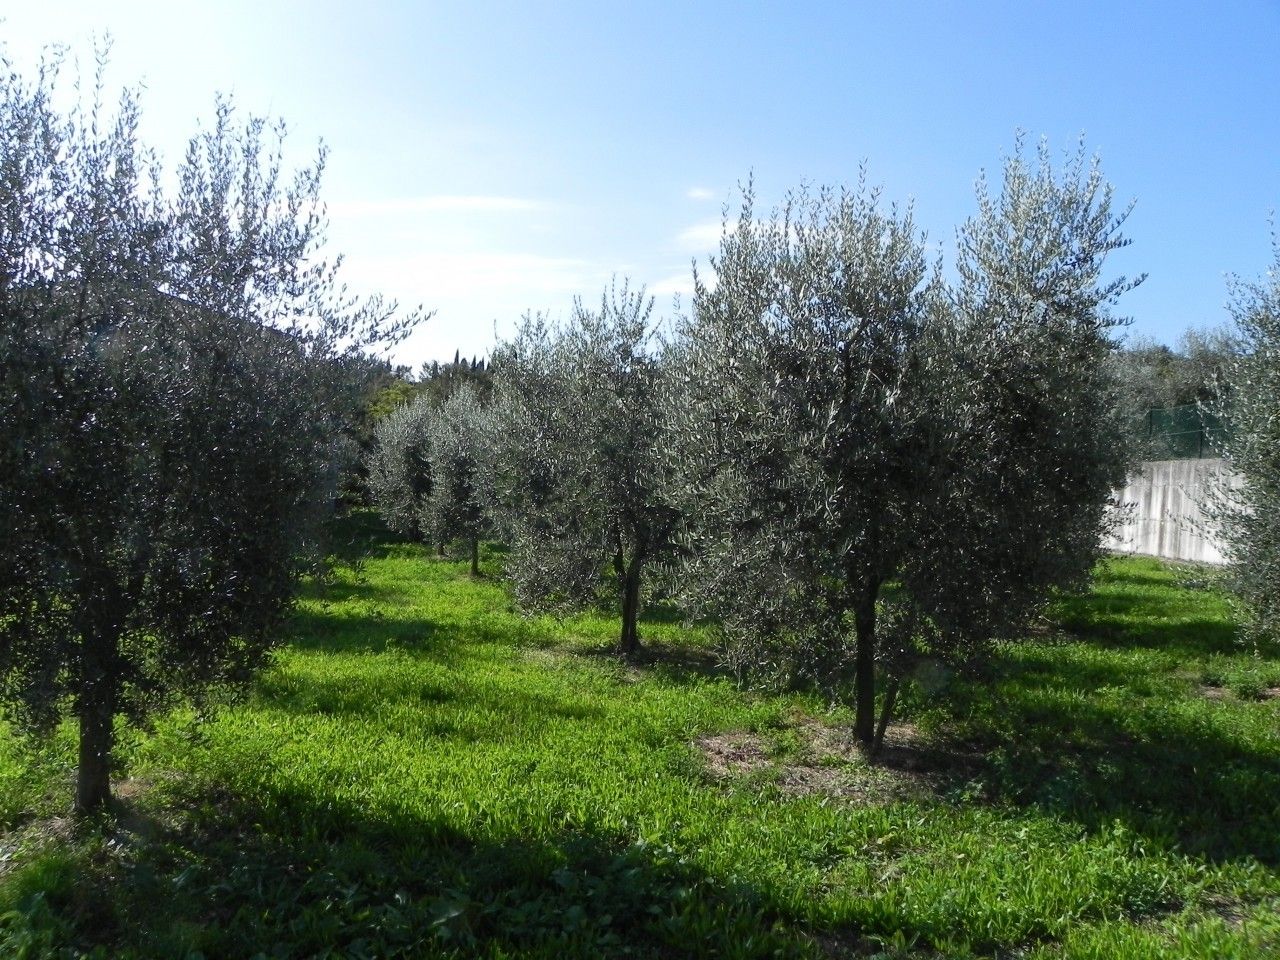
{"type": "Point", "coordinates": [96, 705]}
{"type": "Point", "coordinates": [886, 711]}
{"type": "Point", "coordinates": [629, 641]}
{"type": "Point", "coordinates": [864, 682]}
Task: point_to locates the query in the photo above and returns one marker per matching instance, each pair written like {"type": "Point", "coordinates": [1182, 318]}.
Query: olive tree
{"type": "Point", "coordinates": [577, 475]}
{"type": "Point", "coordinates": [803, 426]}
{"type": "Point", "coordinates": [168, 379]}
{"type": "Point", "coordinates": [459, 436]}
{"type": "Point", "coordinates": [400, 469]}
{"type": "Point", "coordinates": [1249, 514]}
{"type": "Point", "coordinates": [857, 436]}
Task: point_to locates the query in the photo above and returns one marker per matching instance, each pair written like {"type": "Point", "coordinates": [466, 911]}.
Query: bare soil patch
{"type": "Point", "coordinates": [1223, 693]}
{"type": "Point", "coordinates": [829, 762]}
{"type": "Point", "coordinates": [1231, 910]}
{"type": "Point", "coordinates": [729, 754]}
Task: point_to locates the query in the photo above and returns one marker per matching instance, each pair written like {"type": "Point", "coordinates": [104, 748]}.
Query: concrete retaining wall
{"type": "Point", "coordinates": [1161, 511]}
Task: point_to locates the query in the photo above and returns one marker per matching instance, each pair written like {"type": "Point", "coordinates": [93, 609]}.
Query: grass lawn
{"type": "Point", "coordinates": [423, 773]}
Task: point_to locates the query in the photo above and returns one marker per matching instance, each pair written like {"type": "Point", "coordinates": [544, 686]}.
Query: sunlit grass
{"type": "Point", "coordinates": [423, 771]}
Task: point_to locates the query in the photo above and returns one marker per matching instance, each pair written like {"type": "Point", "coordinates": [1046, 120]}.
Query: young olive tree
{"type": "Point", "coordinates": [1249, 515]}
{"type": "Point", "coordinates": [168, 376]}
{"type": "Point", "coordinates": [459, 436]}
{"type": "Point", "coordinates": [576, 471]}
{"type": "Point", "coordinates": [857, 437]}
{"type": "Point", "coordinates": [804, 425]}
{"type": "Point", "coordinates": [400, 469]}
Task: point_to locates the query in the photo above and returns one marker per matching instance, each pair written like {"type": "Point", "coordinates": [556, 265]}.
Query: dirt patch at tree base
{"type": "Point", "coordinates": [1216, 692]}
{"type": "Point", "coordinates": [828, 761]}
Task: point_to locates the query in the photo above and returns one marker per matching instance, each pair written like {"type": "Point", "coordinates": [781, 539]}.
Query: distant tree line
{"type": "Point", "coordinates": [1168, 397]}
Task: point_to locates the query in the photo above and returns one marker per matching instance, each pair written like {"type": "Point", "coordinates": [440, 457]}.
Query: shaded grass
{"type": "Point", "coordinates": [1110, 723]}
{"type": "Point", "coordinates": [423, 772]}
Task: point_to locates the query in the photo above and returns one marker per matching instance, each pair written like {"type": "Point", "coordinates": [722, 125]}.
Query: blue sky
{"type": "Point", "coordinates": [488, 158]}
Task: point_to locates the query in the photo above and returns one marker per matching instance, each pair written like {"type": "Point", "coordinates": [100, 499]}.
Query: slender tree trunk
{"type": "Point", "coordinates": [475, 556]}
{"type": "Point", "coordinates": [440, 549]}
{"type": "Point", "coordinates": [629, 642]}
{"type": "Point", "coordinates": [96, 709]}
{"type": "Point", "coordinates": [886, 711]}
{"type": "Point", "coordinates": [864, 684]}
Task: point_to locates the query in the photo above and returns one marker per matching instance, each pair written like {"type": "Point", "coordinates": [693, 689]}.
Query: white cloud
{"type": "Point", "coordinates": [680, 283]}
{"type": "Point", "coordinates": [703, 237]}
{"type": "Point", "coordinates": [433, 276]}
{"type": "Point", "coordinates": [440, 203]}
{"type": "Point", "coordinates": [700, 193]}
{"type": "Point", "coordinates": [471, 292]}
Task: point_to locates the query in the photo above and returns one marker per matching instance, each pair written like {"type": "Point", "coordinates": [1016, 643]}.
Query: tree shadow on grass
{"type": "Point", "coordinates": [289, 875]}
{"type": "Point", "coordinates": [670, 664]}
{"type": "Point", "coordinates": [1172, 778]}
{"type": "Point", "coordinates": [1183, 774]}
{"type": "Point", "coordinates": [374, 628]}
{"type": "Point", "coordinates": [446, 660]}
{"type": "Point", "coordinates": [1187, 637]}
{"type": "Point", "coordinates": [335, 696]}
{"type": "Point", "coordinates": [1097, 738]}
{"type": "Point", "coordinates": [1148, 612]}
{"type": "Point", "coordinates": [368, 631]}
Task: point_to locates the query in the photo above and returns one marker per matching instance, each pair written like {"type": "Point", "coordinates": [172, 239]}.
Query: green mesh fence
{"type": "Point", "coordinates": [1184, 433]}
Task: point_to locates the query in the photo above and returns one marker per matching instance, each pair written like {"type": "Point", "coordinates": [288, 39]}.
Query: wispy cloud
{"type": "Point", "coordinates": [702, 237]}
{"type": "Point", "coordinates": [475, 293]}
{"type": "Point", "coordinates": [472, 275]}
{"type": "Point", "coordinates": [700, 193]}
{"type": "Point", "coordinates": [680, 283]}
{"type": "Point", "coordinates": [438, 203]}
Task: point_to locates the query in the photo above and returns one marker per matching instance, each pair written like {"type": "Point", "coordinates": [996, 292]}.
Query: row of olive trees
{"type": "Point", "coordinates": [175, 365]}
{"type": "Point", "coordinates": [844, 459]}
{"type": "Point", "coordinates": [426, 469]}
{"type": "Point", "coordinates": [562, 461]}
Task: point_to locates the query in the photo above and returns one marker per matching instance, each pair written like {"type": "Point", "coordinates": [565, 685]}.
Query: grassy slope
{"type": "Point", "coordinates": [424, 772]}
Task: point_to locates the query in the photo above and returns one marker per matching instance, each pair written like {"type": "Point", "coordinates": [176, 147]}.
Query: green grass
{"type": "Point", "coordinates": [423, 772]}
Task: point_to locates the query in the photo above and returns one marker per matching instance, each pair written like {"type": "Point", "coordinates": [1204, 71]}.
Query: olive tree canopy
{"type": "Point", "coordinates": [460, 435]}
{"type": "Point", "coordinates": [805, 428]}
{"type": "Point", "coordinates": [1249, 515]}
{"type": "Point", "coordinates": [400, 469]}
{"type": "Point", "coordinates": [169, 377]}
{"type": "Point", "coordinates": [578, 479]}
{"type": "Point", "coordinates": [858, 436]}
